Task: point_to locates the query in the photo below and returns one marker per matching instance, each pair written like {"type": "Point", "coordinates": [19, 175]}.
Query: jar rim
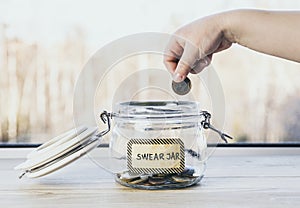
{"type": "Point", "coordinates": [156, 110]}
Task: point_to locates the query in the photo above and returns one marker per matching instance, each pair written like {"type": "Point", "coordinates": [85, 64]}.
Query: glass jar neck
{"type": "Point", "coordinates": [157, 110]}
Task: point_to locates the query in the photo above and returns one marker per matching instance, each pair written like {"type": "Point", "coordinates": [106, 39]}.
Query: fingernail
{"type": "Point", "coordinates": [177, 77]}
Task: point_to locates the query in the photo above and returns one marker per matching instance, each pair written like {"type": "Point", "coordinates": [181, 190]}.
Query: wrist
{"type": "Point", "coordinates": [229, 22]}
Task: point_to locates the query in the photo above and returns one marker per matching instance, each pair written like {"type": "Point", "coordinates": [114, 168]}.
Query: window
{"type": "Point", "coordinates": [44, 45]}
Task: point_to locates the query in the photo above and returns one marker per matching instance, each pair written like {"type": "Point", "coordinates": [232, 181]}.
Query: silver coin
{"type": "Point", "coordinates": [182, 88]}
{"type": "Point", "coordinates": [188, 171]}
{"type": "Point", "coordinates": [183, 179]}
{"type": "Point", "coordinates": [139, 180]}
{"type": "Point", "coordinates": [157, 180]}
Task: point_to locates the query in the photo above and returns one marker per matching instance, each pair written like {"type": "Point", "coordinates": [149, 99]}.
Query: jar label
{"type": "Point", "coordinates": [153, 156]}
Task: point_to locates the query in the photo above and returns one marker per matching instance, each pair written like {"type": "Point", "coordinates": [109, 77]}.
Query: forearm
{"type": "Point", "coordinates": [270, 32]}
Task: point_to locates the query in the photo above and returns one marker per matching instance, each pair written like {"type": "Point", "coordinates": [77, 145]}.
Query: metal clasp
{"type": "Point", "coordinates": [206, 125]}
{"type": "Point", "coordinates": [105, 117]}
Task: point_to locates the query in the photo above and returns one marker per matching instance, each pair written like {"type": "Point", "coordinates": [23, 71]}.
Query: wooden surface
{"type": "Point", "coordinates": [236, 178]}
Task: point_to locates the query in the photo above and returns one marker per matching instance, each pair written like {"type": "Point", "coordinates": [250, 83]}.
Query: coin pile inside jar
{"type": "Point", "coordinates": [158, 181]}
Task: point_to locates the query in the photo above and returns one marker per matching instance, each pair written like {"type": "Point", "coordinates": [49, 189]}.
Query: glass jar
{"type": "Point", "coordinates": [158, 145]}
{"type": "Point", "coordinates": [153, 145]}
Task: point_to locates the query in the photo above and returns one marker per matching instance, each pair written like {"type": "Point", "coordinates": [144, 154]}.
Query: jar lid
{"type": "Point", "coordinates": [59, 152]}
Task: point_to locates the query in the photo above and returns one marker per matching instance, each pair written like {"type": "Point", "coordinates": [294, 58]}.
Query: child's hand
{"type": "Point", "coordinates": [192, 46]}
{"type": "Point", "coordinates": [271, 32]}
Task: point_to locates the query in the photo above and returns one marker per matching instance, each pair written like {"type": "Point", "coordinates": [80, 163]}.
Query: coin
{"type": "Point", "coordinates": [182, 88]}
{"type": "Point", "coordinates": [157, 180]}
{"type": "Point", "coordinates": [126, 176]}
{"type": "Point", "coordinates": [184, 179]}
{"type": "Point", "coordinates": [188, 171]}
{"type": "Point", "coordinates": [139, 180]}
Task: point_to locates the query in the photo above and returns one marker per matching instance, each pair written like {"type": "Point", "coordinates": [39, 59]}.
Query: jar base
{"type": "Point", "coordinates": [158, 182]}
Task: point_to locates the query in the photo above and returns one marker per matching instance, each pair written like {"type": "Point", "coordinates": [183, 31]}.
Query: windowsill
{"type": "Point", "coordinates": [235, 177]}
{"type": "Point", "coordinates": [218, 151]}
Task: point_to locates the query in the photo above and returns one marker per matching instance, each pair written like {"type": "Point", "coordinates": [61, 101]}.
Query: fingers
{"type": "Point", "coordinates": [189, 59]}
{"type": "Point", "coordinates": [201, 64]}
{"type": "Point", "coordinates": [180, 58]}
{"type": "Point", "coordinates": [172, 54]}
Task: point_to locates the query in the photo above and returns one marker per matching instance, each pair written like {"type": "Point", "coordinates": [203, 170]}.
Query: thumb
{"type": "Point", "coordinates": [187, 61]}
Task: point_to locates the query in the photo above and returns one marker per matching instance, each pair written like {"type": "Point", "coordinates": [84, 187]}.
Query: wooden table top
{"type": "Point", "coordinates": [234, 178]}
